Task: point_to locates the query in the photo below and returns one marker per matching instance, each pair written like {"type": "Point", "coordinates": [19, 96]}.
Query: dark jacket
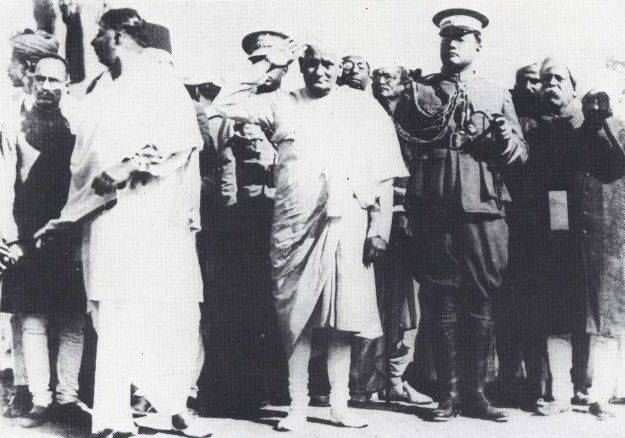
{"type": "Point", "coordinates": [44, 280]}
{"type": "Point", "coordinates": [579, 270]}
{"type": "Point", "coordinates": [466, 179]}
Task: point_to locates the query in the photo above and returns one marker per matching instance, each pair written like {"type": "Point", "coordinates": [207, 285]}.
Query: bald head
{"type": "Point", "coordinates": [558, 85]}
{"type": "Point", "coordinates": [320, 68]}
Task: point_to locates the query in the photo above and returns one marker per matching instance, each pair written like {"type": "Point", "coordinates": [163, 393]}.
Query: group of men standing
{"type": "Point", "coordinates": [321, 209]}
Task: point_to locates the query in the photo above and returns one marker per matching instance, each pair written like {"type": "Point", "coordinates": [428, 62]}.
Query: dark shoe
{"type": "Point", "coordinates": [446, 410]}
{"type": "Point", "coordinates": [359, 399]}
{"type": "Point", "coordinates": [71, 414]}
{"type": "Point", "coordinates": [320, 401]}
{"type": "Point", "coordinates": [598, 411]}
{"type": "Point", "coordinates": [580, 399]}
{"type": "Point", "coordinates": [37, 416]}
{"type": "Point", "coordinates": [506, 394]}
{"type": "Point", "coordinates": [20, 404]}
{"type": "Point", "coordinates": [483, 410]}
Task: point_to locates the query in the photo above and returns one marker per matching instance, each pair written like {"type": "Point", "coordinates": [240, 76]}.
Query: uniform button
{"type": "Point", "coordinates": [587, 174]}
{"type": "Point", "coordinates": [585, 232]}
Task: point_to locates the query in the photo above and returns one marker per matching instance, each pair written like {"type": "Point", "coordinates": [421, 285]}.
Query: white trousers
{"type": "Point", "coordinates": [607, 363]}
{"type": "Point", "coordinates": [34, 336]}
{"type": "Point", "coordinates": [198, 366]}
{"type": "Point", "coordinates": [19, 367]}
{"type": "Point", "coordinates": [560, 353]}
{"type": "Point", "coordinates": [151, 344]}
{"type": "Point", "coordinates": [6, 341]}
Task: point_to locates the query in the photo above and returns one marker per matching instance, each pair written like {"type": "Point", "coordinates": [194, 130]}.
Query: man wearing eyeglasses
{"type": "Point", "coordinates": [356, 72]}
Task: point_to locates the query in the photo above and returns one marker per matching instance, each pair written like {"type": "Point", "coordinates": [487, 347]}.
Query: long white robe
{"type": "Point", "coordinates": [143, 247]}
{"type": "Point", "coordinates": [142, 274]}
{"type": "Point", "coordinates": [336, 158]}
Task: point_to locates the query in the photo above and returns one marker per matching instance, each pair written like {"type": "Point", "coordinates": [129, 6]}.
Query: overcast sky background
{"type": "Point", "coordinates": [207, 34]}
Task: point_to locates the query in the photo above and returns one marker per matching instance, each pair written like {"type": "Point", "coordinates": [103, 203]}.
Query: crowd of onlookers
{"type": "Point", "coordinates": [380, 234]}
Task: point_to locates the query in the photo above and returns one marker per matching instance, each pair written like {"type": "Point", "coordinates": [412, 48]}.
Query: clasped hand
{"type": "Point", "coordinates": [596, 107]}
{"type": "Point", "coordinates": [374, 249]}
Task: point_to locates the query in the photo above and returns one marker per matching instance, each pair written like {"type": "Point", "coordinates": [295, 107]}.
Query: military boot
{"type": "Point", "coordinates": [445, 356]}
{"type": "Point", "coordinates": [475, 403]}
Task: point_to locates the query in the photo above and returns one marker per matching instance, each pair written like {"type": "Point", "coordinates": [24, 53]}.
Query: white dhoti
{"type": "Point", "coordinates": [150, 344]}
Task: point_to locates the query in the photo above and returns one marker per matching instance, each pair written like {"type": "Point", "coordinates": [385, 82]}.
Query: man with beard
{"type": "Point", "coordinates": [44, 288]}
{"type": "Point", "coordinates": [356, 72]}
{"type": "Point", "coordinates": [331, 221]}
{"type": "Point", "coordinates": [135, 189]}
{"type": "Point", "coordinates": [462, 131]}
{"type": "Point", "coordinates": [575, 186]}
{"type": "Point", "coordinates": [27, 48]}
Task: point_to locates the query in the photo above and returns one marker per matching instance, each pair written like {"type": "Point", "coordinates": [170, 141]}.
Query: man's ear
{"type": "Point", "coordinates": [118, 36]}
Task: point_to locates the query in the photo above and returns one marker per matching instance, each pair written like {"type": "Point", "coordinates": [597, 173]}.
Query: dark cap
{"type": "Point", "coordinates": [459, 20]}
{"type": "Point", "coordinates": [258, 43]}
{"type": "Point", "coordinates": [157, 36]}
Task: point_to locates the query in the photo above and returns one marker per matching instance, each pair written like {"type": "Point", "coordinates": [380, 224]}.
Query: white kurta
{"type": "Point", "coordinates": [335, 155]}
{"type": "Point", "coordinates": [144, 247]}
{"type": "Point", "coordinates": [141, 269]}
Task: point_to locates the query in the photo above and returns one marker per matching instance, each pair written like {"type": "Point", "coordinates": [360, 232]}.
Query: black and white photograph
{"type": "Point", "coordinates": [315, 219]}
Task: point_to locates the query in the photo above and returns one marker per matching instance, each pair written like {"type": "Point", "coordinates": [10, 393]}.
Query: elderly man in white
{"type": "Point", "coordinates": [332, 217]}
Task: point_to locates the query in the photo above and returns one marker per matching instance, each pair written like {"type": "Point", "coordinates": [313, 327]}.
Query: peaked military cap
{"type": "Point", "coordinates": [258, 43]}
{"type": "Point", "coordinates": [460, 20]}
{"type": "Point", "coordinates": [157, 36]}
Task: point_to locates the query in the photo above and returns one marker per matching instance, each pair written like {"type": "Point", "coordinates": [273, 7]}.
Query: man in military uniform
{"type": "Point", "coordinates": [246, 190]}
{"type": "Point", "coordinates": [460, 131]}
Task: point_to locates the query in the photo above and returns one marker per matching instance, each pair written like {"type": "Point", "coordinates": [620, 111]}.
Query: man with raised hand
{"type": "Point", "coordinates": [575, 183]}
